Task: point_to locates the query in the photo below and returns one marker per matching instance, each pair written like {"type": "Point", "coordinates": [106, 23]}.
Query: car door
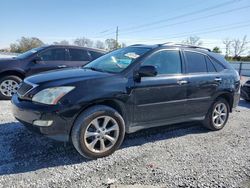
{"type": "Point", "coordinates": [50, 59]}
{"type": "Point", "coordinates": [78, 57]}
{"type": "Point", "coordinates": [162, 97]}
{"type": "Point", "coordinates": [203, 82]}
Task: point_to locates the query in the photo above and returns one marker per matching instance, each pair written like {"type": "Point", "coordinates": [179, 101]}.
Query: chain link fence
{"type": "Point", "coordinates": [242, 67]}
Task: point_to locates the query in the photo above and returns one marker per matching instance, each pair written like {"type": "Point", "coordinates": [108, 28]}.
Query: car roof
{"type": "Point", "coordinates": [75, 47]}
{"type": "Point", "coordinates": [145, 46]}
{"type": "Point", "coordinates": [203, 50]}
{"type": "Point", "coordinates": [171, 45]}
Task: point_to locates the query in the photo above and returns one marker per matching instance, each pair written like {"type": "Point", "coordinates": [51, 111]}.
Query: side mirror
{"type": "Point", "coordinates": [37, 59]}
{"type": "Point", "coordinates": [147, 71]}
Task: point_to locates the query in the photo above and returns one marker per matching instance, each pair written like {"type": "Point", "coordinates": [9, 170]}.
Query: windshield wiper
{"type": "Point", "coordinates": [94, 69]}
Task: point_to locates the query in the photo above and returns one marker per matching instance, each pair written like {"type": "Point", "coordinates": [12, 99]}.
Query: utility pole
{"type": "Point", "coordinates": [116, 37]}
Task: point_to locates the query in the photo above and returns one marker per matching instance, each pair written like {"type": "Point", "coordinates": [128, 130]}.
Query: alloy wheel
{"type": "Point", "coordinates": [9, 87]}
{"type": "Point", "coordinates": [219, 115]}
{"type": "Point", "coordinates": [101, 134]}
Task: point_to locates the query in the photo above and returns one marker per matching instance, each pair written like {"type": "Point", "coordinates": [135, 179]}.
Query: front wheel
{"type": "Point", "coordinates": [9, 86]}
{"type": "Point", "coordinates": [217, 115]}
{"type": "Point", "coordinates": [98, 132]}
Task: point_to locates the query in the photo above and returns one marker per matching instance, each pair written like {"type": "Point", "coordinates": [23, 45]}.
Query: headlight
{"type": "Point", "coordinates": [52, 95]}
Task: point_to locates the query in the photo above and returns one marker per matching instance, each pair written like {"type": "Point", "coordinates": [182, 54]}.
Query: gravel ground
{"type": "Point", "coordinates": [185, 155]}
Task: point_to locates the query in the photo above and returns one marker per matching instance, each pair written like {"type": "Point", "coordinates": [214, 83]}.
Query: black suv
{"type": "Point", "coordinates": [126, 90]}
{"type": "Point", "coordinates": [14, 70]}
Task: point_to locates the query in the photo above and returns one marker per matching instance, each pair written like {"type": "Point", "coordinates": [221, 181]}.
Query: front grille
{"type": "Point", "coordinates": [24, 88]}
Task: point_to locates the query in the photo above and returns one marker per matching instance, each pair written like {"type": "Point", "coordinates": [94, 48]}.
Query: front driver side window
{"type": "Point", "coordinates": [166, 62]}
{"type": "Point", "coordinates": [53, 55]}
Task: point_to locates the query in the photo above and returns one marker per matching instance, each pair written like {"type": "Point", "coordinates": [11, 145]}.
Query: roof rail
{"type": "Point", "coordinates": [167, 43]}
{"type": "Point", "coordinates": [184, 45]}
{"type": "Point", "coordinates": [137, 44]}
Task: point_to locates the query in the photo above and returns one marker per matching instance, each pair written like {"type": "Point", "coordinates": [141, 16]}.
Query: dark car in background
{"type": "Point", "coordinates": [130, 89]}
{"type": "Point", "coordinates": [245, 91]}
{"type": "Point", "coordinates": [45, 58]}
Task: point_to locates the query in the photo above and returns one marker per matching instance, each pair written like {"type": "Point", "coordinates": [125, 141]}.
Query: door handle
{"type": "Point", "coordinates": [182, 82]}
{"type": "Point", "coordinates": [61, 66]}
{"type": "Point", "coordinates": [217, 79]}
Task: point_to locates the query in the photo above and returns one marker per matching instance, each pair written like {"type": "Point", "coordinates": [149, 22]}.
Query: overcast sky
{"type": "Point", "coordinates": [147, 21]}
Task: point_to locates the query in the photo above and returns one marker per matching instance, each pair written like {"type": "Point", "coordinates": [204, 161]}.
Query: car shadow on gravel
{"type": "Point", "coordinates": [163, 133]}
{"type": "Point", "coordinates": [23, 151]}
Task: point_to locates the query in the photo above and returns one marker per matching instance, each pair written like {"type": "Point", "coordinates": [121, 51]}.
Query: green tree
{"type": "Point", "coordinates": [25, 44]}
{"type": "Point", "coordinates": [216, 49]}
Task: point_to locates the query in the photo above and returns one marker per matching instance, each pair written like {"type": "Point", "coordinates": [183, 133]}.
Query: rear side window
{"type": "Point", "coordinates": [95, 55]}
{"type": "Point", "coordinates": [219, 67]}
{"type": "Point", "coordinates": [53, 55]}
{"type": "Point", "coordinates": [166, 62]}
{"type": "Point", "coordinates": [210, 66]}
{"type": "Point", "coordinates": [196, 62]}
{"type": "Point", "coordinates": [78, 55]}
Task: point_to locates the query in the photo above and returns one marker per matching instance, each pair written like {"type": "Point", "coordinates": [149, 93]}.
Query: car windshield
{"type": "Point", "coordinates": [117, 60]}
{"type": "Point", "coordinates": [29, 53]}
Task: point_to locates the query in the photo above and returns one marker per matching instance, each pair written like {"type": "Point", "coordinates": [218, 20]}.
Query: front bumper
{"type": "Point", "coordinates": [27, 112]}
{"type": "Point", "coordinates": [236, 99]}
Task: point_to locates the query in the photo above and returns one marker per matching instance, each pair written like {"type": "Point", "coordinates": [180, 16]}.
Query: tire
{"type": "Point", "coordinates": [210, 119]}
{"type": "Point", "coordinates": [86, 124]}
{"type": "Point", "coordinates": [8, 86]}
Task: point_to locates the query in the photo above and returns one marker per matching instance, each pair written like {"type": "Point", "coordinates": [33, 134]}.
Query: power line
{"type": "Point", "coordinates": [212, 31]}
{"type": "Point", "coordinates": [105, 31]}
{"type": "Point", "coordinates": [106, 34]}
{"type": "Point", "coordinates": [206, 29]}
{"type": "Point", "coordinates": [175, 17]}
{"type": "Point", "coordinates": [191, 20]}
{"type": "Point", "coordinates": [236, 26]}
{"type": "Point", "coordinates": [183, 15]}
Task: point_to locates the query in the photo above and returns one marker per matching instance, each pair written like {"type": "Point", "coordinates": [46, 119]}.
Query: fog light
{"type": "Point", "coordinates": [43, 123]}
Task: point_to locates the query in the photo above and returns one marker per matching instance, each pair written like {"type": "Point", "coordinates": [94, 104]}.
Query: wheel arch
{"type": "Point", "coordinates": [116, 104]}
{"type": "Point", "coordinates": [12, 73]}
{"type": "Point", "coordinates": [228, 97]}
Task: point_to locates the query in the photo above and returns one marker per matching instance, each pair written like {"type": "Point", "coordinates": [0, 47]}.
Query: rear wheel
{"type": "Point", "coordinates": [217, 115]}
{"type": "Point", "coordinates": [98, 132]}
{"type": "Point", "coordinates": [9, 86]}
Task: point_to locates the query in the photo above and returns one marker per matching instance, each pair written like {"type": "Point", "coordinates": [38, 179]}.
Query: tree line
{"type": "Point", "coordinates": [26, 43]}
{"type": "Point", "coordinates": [234, 48]}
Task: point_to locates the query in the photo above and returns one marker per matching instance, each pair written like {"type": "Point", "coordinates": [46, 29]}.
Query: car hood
{"type": "Point", "coordinates": [7, 60]}
{"type": "Point", "coordinates": [77, 74]}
